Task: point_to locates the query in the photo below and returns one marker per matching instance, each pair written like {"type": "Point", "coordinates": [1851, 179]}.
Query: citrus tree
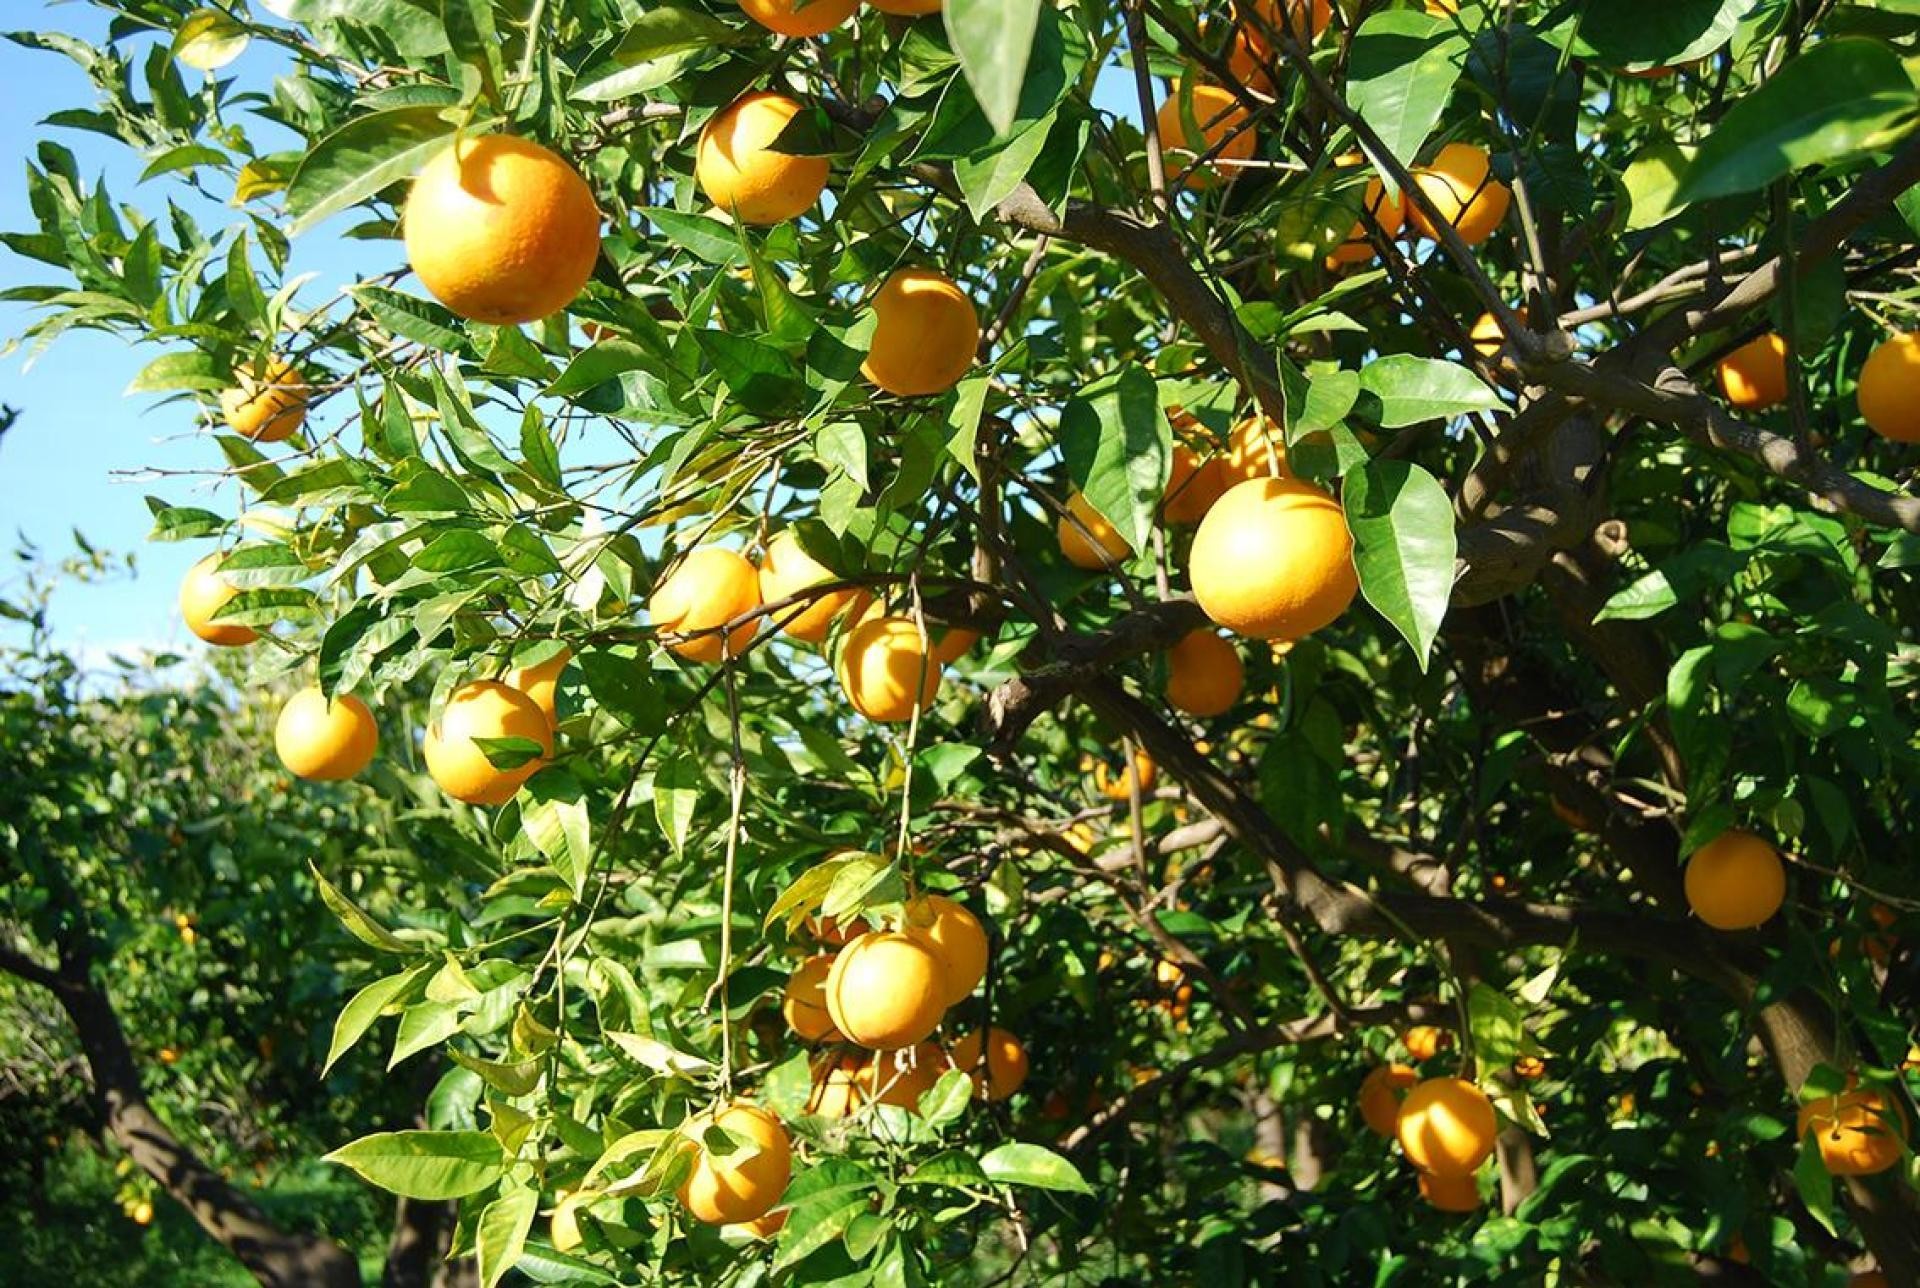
{"type": "Point", "coordinates": [1076, 642]}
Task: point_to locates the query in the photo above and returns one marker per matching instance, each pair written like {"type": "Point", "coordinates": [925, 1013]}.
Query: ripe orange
{"type": "Point", "coordinates": [1754, 376]}
{"type": "Point", "coordinates": [885, 990]}
{"type": "Point", "coordinates": [1115, 787]}
{"type": "Point", "coordinates": [1194, 483]}
{"type": "Point", "coordinates": [142, 1213]}
{"type": "Point", "coordinates": [902, 1077]}
{"type": "Point", "coordinates": [539, 681]}
{"type": "Point", "coordinates": [1735, 881]}
{"type": "Point", "coordinates": [1390, 213]}
{"type": "Point", "coordinates": [1257, 449]}
{"type": "Point", "coordinates": [1249, 60]}
{"type": "Point", "coordinates": [1204, 674]}
{"type": "Point", "coordinates": [709, 587]}
{"type": "Point", "coordinates": [1273, 560]}
{"type": "Point", "coordinates": [1424, 1041]}
{"type": "Point", "coordinates": [1858, 1132]}
{"type": "Point", "coordinates": [721, 1191]}
{"type": "Point", "coordinates": [925, 334]}
{"type": "Point", "coordinates": [501, 230]}
{"type": "Point", "coordinates": [786, 569]}
{"type": "Point", "coordinates": [739, 171]}
{"type": "Point", "coordinates": [799, 18]}
{"type": "Point", "coordinates": [325, 741]}
{"type": "Point", "coordinates": [953, 643]}
{"type": "Point", "coordinates": [887, 670]}
{"type": "Point", "coordinates": [1889, 390]}
{"type": "Point", "coordinates": [1304, 20]}
{"type": "Point", "coordinates": [1219, 116]}
{"type": "Point", "coordinates": [837, 1085]}
{"type": "Point", "coordinates": [1006, 1062]}
{"type": "Point", "coordinates": [804, 1001]}
{"type": "Point", "coordinates": [1529, 1067]}
{"type": "Point", "coordinates": [204, 592]}
{"type": "Point", "coordinates": [483, 709]}
{"type": "Point", "coordinates": [907, 8]}
{"type": "Point", "coordinates": [1087, 539]}
{"type": "Point", "coordinates": [1451, 1193]}
{"type": "Point", "coordinates": [1381, 1092]}
{"type": "Point", "coordinates": [1460, 184]}
{"type": "Point", "coordinates": [267, 404]}
{"type": "Point", "coordinates": [957, 938]}
{"type": "Point", "coordinates": [831, 933]}
{"type": "Point", "coordinates": [1447, 1127]}
{"type": "Point", "coordinates": [1488, 339]}
{"type": "Point", "coordinates": [764, 1227]}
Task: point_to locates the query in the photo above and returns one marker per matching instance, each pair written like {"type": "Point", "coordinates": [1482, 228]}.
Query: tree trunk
{"type": "Point", "coordinates": [421, 1232]}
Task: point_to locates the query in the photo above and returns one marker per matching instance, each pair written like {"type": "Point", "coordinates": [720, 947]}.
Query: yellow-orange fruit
{"type": "Point", "coordinates": [907, 8]}
{"type": "Point", "coordinates": [266, 406]}
{"type": "Point", "coordinates": [830, 932]}
{"type": "Point", "coordinates": [887, 669]}
{"type": "Point", "coordinates": [1006, 1062]}
{"type": "Point", "coordinates": [925, 334]}
{"type": "Point", "coordinates": [953, 643]}
{"type": "Point", "coordinates": [1304, 20]}
{"type": "Point", "coordinates": [1529, 1067]}
{"type": "Point", "coordinates": [1889, 390]}
{"type": "Point", "coordinates": [739, 171]}
{"type": "Point", "coordinates": [1735, 881]}
{"type": "Point", "coordinates": [709, 587]}
{"type": "Point", "coordinates": [838, 1082]}
{"type": "Point", "coordinates": [1858, 1132]}
{"type": "Point", "coordinates": [1220, 118]}
{"type": "Point", "coordinates": [1389, 213]}
{"type": "Point", "coordinates": [1193, 485]}
{"type": "Point", "coordinates": [804, 1002]}
{"type": "Point", "coordinates": [1204, 674]}
{"type": "Point", "coordinates": [1249, 60]}
{"type": "Point", "coordinates": [1273, 560]}
{"type": "Point", "coordinates": [539, 680]}
{"type": "Point", "coordinates": [484, 709]}
{"type": "Point", "coordinates": [1754, 376]}
{"type": "Point", "coordinates": [1460, 184]}
{"type": "Point", "coordinates": [902, 1077]}
{"type": "Point", "coordinates": [1447, 1127]}
{"type": "Point", "coordinates": [764, 1227]}
{"type": "Point", "coordinates": [721, 1191]}
{"type": "Point", "coordinates": [1424, 1041]}
{"type": "Point", "coordinates": [1488, 339]}
{"type": "Point", "coordinates": [957, 938]}
{"type": "Point", "coordinates": [204, 592]}
{"type": "Point", "coordinates": [1115, 786]}
{"type": "Point", "coordinates": [787, 569]}
{"type": "Point", "coordinates": [1451, 1193]}
{"type": "Point", "coordinates": [1087, 539]}
{"type": "Point", "coordinates": [1381, 1092]}
{"type": "Point", "coordinates": [799, 18]}
{"type": "Point", "coordinates": [1256, 449]}
{"type": "Point", "coordinates": [325, 741]}
{"type": "Point", "coordinates": [885, 990]}
{"type": "Point", "coordinates": [501, 230]}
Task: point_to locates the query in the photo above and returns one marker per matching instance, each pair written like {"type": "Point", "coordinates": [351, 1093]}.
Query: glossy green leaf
{"type": "Point", "coordinates": [1403, 547]}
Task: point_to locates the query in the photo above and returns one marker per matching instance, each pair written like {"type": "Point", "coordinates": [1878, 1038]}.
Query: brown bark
{"type": "Point", "coordinates": [421, 1232]}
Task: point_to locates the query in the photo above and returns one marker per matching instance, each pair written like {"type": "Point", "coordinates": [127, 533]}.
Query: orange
{"type": "Point", "coordinates": [1006, 1062]}
{"type": "Point", "coordinates": [1273, 560]}
{"type": "Point", "coordinates": [1257, 449]}
{"type": "Point", "coordinates": [785, 570]}
{"type": "Point", "coordinates": [804, 1002]}
{"type": "Point", "coordinates": [739, 171]}
{"type": "Point", "coordinates": [1460, 184]}
{"type": "Point", "coordinates": [1424, 1041]}
{"type": "Point", "coordinates": [953, 643]}
{"type": "Point", "coordinates": [903, 1076]}
{"type": "Point", "coordinates": [1488, 339]}
{"type": "Point", "coordinates": [1451, 1193]}
{"type": "Point", "coordinates": [1087, 539]}
{"type": "Point", "coordinates": [1115, 787]}
{"type": "Point", "coordinates": [721, 1191]}
{"type": "Point", "coordinates": [1204, 674]}
{"type": "Point", "coordinates": [142, 1213]}
{"type": "Point", "coordinates": [539, 680]}
{"type": "Point", "coordinates": [1249, 60]}
{"type": "Point", "coordinates": [1869, 1279]}
{"type": "Point", "coordinates": [925, 334]}
{"type": "Point", "coordinates": [837, 1086]}
{"type": "Point", "coordinates": [1220, 117]}
{"type": "Point", "coordinates": [1889, 390]}
{"type": "Point", "coordinates": [501, 230]}
{"type": "Point", "coordinates": [1193, 485]}
{"type": "Point", "coordinates": [957, 938]}
{"type": "Point", "coordinates": [1381, 1092]}
{"type": "Point", "coordinates": [1447, 1127]}
{"type": "Point", "coordinates": [266, 405]}
{"type": "Point", "coordinates": [764, 1227]}
{"type": "Point", "coordinates": [484, 709]}
{"type": "Point", "coordinates": [1442, 8]}
{"type": "Point", "coordinates": [1735, 881]}
{"type": "Point", "coordinates": [709, 587]}
{"type": "Point", "coordinates": [885, 990]}
{"type": "Point", "coordinates": [204, 592]}
{"type": "Point", "coordinates": [831, 933]}
{"type": "Point", "coordinates": [325, 741]}
{"type": "Point", "coordinates": [1754, 376]}
{"type": "Point", "coordinates": [1858, 1132]}
{"type": "Point", "coordinates": [1529, 1067]}
{"type": "Point", "coordinates": [1389, 213]}
{"type": "Point", "coordinates": [907, 8]}
{"type": "Point", "coordinates": [799, 18]}
{"type": "Point", "coordinates": [887, 670]}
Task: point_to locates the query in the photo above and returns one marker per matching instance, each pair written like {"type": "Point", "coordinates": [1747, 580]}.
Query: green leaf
{"type": "Point", "coordinates": [1403, 547]}
{"type": "Point", "coordinates": [676, 795]}
{"type": "Point", "coordinates": [1032, 1165]}
{"type": "Point", "coordinates": [518, 1079]}
{"type": "Point", "coordinates": [359, 923]}
{"type": "Point", "coordinates": [1815, 1182]}
{"type": "Point", "coordinates": [951, 1168]}
{"type": "Point", "coordinates": [1649, 33]}
{"type": "Point", "coordinates": [174, 371]}
{"type": "Point", "coordinates": [361, 158]}
{"type": "Point", "coordinates": [989, 176]}
{"type": "Point", "coordinates": [994, 39]}
{"type": "Point", "coordinates": [1498, 1027]}
{"type": "Point", "coordinates": [946, 1099]}
{"type": "Point", "coordinates": [500, 1236]}
{"type": "Point", "coordinates": [1647, 597]}
{"type": "Point", "coordinates": [1119, 449]}
{"type": "Point", "coordinates": [209, 39]}
{"type": "Point", "coordinates": [426, 1164]}
{"type": "Point", "coordinates": [412, 318]}
{"type": "Point", "coordinates": [1652, 179]}
{"type": "Point", "coordinates": [706, 239]}
{"type": "Point", "coordinates": [1837, 101]}
{"type": "Point", "coordinates": [360, 1012]}
{"type": "Point", "coordinates": [1403, 67]}
{"type": "Point", "coordinates": [1412, 389]}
